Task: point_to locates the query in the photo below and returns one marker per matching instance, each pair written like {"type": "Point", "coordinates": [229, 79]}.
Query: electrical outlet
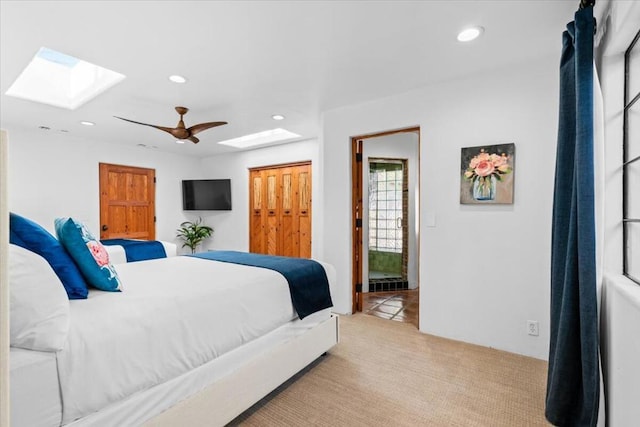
{"type": "Point", "coordinates": [532, 328]}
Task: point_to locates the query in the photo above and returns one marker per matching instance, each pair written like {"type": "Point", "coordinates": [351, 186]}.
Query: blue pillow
{"type": "Point", "coordinates": [88, 253]}
{"type": "Point", "coordinates": [29, 235]}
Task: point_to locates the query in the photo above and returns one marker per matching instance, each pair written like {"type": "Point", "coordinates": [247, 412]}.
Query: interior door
{"type": "Point", "coordinates": [356, 220]}
{"type": "Point", "coordinates": [280, 210]}
{"type": "Point", "coordinates": [127, 202]}
{"type": "Point", "coordinates": [257, 206]}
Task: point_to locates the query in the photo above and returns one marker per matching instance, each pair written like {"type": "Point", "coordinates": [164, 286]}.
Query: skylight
{"type": "Point", "coordinates": [261, 138]}
{"type": "Point", "coordinates": [61, 80]}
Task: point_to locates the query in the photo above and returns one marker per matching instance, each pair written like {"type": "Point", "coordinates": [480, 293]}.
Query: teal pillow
{"type": "Point", "coordinates": [29, 235]}
{"type": "Point", "coordinates": [88, 253]}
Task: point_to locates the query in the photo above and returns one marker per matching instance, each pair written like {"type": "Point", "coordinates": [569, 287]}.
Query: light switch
{"type": "Point", "coordinates": [431, 220]}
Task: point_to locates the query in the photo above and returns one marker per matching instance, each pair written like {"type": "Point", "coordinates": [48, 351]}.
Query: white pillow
{"type": "Point", "coordinates": [39, 304]}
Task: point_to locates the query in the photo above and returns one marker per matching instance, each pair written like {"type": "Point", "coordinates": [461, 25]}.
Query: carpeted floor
{"type": "Point", "coordinates": [386, 373]}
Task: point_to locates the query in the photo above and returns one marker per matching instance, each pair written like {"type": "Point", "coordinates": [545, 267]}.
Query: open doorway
{"type": "Point", "coordinates": [385, 224]}
{"type": "Point", "coordinates": [388, 211]}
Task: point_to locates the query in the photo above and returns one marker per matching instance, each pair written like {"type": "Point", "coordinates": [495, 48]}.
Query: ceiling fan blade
{"type": "Point", "coordinates": [193, 139]}
{"type": "Point", "coordinates": [166, 129]}
{"type": "Point", "coordinates": [204, 126]}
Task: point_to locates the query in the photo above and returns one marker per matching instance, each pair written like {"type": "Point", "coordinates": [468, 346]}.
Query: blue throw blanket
{"type": "Point", "coordinates": [307, 279]}
{"type": "Point", "coordinates": [138, 250]}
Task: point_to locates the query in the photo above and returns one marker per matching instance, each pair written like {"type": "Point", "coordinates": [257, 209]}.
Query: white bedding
{"type": "Point", "coordinates": [141, 407]}
{"type": "Point", "coordinates": [118, 344]}
{"type": "Point", "coordinates": [35, 396]}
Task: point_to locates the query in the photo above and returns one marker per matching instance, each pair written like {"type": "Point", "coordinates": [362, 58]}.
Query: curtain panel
{"type": "Point", "coordinates": [573, 382]}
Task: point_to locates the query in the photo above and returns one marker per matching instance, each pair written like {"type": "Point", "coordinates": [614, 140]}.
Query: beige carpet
{"type": "Point", "coordinates": [386, 373]}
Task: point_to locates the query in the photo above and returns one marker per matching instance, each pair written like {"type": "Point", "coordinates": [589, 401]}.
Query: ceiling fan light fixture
{"type": "Point", "coordinates": [87, 123]}
{"type": "Point", "coordinates": [177, 78]}
{"type": "Point", "coordinates": [469, 34]}
{"type": "Point", "coordinates": [180, 132]}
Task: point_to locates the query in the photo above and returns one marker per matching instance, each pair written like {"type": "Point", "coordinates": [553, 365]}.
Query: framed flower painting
{"type": "Point", "coordinates": [486, 174]}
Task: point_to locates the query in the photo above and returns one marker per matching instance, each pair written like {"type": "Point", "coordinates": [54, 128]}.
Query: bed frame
{"type": "Point", "coordinates": [221, 402]}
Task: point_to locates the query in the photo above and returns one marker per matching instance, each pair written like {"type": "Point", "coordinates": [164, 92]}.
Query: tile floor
{"type": "Point", "coordinates": [401, 306]}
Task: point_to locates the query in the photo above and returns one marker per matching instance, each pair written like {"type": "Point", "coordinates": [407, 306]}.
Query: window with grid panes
{"type": "Point", "coordinates": [631, 163]}
{"type": "Point", "coordinates": [385, 207]}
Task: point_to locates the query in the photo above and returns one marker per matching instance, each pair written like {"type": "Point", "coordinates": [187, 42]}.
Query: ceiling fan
{"type": "Point", "coordinates": [180, 131]}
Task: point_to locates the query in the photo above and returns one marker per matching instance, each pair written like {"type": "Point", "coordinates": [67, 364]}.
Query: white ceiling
{"type": "Point", "coordinates": [248, 60]}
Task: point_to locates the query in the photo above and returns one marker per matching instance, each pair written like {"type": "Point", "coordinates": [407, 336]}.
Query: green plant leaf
{"type": "Point", "coordinates": [193, 233]}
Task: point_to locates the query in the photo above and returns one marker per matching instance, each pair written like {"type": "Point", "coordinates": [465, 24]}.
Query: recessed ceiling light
{"type": "Point", "coordinates": [177, 79]}
{"type": "Point", "coordinates": [261, 138]}
{"type": "Point", "coordinates": [57, 79]}
{"type": "Point", "coordinates": [277, 117]}
{"type": "Point", "coordinates": [469, 34]}
{"type": "Point", "coordinates": [86, 123]}
{"type": "Point", "coordinates": [180, 141]}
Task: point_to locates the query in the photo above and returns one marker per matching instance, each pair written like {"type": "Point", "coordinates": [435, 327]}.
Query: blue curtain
{"type": "Point", "coordinates": [573, 383]}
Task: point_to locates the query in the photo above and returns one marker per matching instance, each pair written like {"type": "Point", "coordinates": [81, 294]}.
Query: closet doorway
{"type": "Point", "coordinates": [280, 210]}
{"type": "Point", "coordinates": [385, 176]}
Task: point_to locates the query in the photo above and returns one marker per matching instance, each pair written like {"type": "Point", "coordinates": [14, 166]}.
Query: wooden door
{"type": "Point", "coordinates": [303, 199]}
{"type": "Point", "coordinates": [127, 202]}
{"type": "Point", "coordinates": [356, 217]}
{"type": "Point", "coordinates": [280, 210]}
{"type": "Point", "coordinates": [256, 207]}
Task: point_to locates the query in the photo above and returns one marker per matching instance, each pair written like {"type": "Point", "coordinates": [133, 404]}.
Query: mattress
{"type": "Point", "coordinates": [118, 347]}
{"type": "Point", "coordinates": [35, 396]}
{"type": "Point", "coordinates": [143, 406]}
{"type": "Point", "coordinates": [117, 255]}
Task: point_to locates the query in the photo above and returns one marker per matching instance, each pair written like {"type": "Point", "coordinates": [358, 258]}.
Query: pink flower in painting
{"type": "Point", "coordinates": [479, 158]}
{"type": "Point", "coordinates": [99, 253]}
{"type": "Point", "coordinates": [497, 160]}
{"type": "Point", "coordinates": [483, 156]}
{"type": "Point", "coordinates": [484, 164]}
{"type": "Point", "coordinates": [484, 168]}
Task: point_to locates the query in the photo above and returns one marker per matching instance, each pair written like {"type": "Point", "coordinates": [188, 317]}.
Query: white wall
{"type": "Point", "coordinates": [232, 227]}
{"type": "Point", "coordinates": [54, 175]}
{"type": "Point", "coordinates": [484, 270]}
{"type": "Point", "coordinates": [400, 146]}
{"type": "Point", "coordinates": [620, 305]}
{"type": "Point", "coordinates": [5, 403]}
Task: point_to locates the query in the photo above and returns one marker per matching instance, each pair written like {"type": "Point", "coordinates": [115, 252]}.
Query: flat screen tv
{"type": "Point", "coordinates": [206, 195]}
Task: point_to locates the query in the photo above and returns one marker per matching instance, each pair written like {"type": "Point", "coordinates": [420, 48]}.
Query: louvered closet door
{"type": "Point", "coordinates": [271, 229]}
{"type": "Point", "coordinates": [280, 211]}
{"type": "Point", "coordinates": [257, 204]}
{"type": "Point", "coordinates": [303, 199]}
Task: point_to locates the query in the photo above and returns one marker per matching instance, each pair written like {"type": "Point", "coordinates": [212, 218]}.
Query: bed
{"type": "Point", "coordinates": [187, 341]}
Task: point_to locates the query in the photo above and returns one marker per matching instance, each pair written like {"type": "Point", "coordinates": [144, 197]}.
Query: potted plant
{"type": "Point", "coordinates": [193, 233]}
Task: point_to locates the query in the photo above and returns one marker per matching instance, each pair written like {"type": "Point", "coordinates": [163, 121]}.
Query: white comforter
{"type": "Point", "coordinates": [174, 314]}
